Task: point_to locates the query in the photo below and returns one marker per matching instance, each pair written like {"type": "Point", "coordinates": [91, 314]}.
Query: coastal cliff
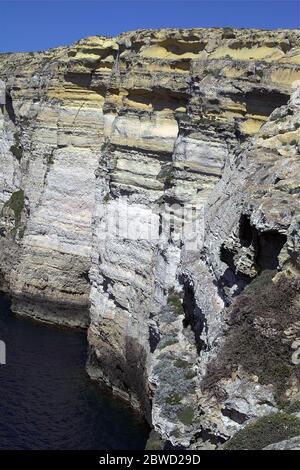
{"type": "Point", "coordinates": [149, 191]}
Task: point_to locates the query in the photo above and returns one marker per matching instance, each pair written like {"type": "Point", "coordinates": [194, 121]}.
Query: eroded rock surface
{"type": "Point", "coordinates": [149, 189]}
{"type": "Point", "coordinates": [289, 444]}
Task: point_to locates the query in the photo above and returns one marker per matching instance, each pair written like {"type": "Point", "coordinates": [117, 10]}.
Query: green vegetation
{"type": "Point", "coordinates": [174, 399]}
{"type": "Point", "coordinates": [174, 300]}
{"type": "Point", "coordinates": [22, 231]}
{"type": "Point", "coordinates": [181, 364]}
{"type": "Point", "coordinates": [268, 356]}
{"type": "Point", "coordinates": [106, 198]}
{"type": "Point", "coordinates": [50, 160]}
{"type": "Point", "coordinates": [214, 72]}
{"type": "Point", "coordinates": [166, 174]}
{"type": "Point", "coordinates": [264, 431]}
{"type": "Point", "coordinates": [213, 101]}
{"type": "Point", "coordinates": [154, 441]}
{"type": "Point", "coordinates": [16, 149]}
{"type": "Point", "coordinates": [293, 407]}
{"type": "Point", "coordinates": [186, 415]}
{"type": "Point", "coordinates": [16, 203]}
{"type": "Point", "coordinates": [190, 374]}
{"type": "Point", "coordinates": [166, 342]}
{"type": "Point", "coordinates": [17, 152]}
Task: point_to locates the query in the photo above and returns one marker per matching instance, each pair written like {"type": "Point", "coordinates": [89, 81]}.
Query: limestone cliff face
{"type": "Point", "coordinates": [53, 125]}
{"type": "Point", "coordinates": [145, 180]}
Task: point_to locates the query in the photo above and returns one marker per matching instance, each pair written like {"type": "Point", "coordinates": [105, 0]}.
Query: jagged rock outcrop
{"type": "Point", "coordinates": [145, 181]}
{"type": "Point", "coordinates": [246, 281]}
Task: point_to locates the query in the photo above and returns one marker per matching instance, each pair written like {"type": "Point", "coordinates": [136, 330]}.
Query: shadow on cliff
{"type": "Point", "coordinates": [69, 313]}
{"type": "Point", "coordinates": [125, 374]}
{"type": "Point", "coordinates": [263, 247]}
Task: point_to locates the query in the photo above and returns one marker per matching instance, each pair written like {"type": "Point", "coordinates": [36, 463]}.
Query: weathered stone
{"type": "Point", "coordinates": [289, 444]}
{"type": "Point", "coordinates": [113, 143]}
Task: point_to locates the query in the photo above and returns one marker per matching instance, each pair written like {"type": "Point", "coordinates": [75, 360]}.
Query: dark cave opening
{"type": "Point", "coordinates": [245, 231]}
{"type": "Point", "coordinates": [194, 316]}
{"type": "Point", "coordinates": [266, 247]}
{"type": "Point", "coordinates": [80, 79]}
{"type": "Point", "coordinates": [263, 102]}
{"type": "Point", "coordinates": [259, 101]}
{"type": "Point", "coordinates": [269, 245]}
{"type": "Point", "coordinates": [9, 108]}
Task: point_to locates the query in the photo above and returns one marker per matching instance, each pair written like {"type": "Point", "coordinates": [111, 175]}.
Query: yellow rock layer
{"type": "Point", "coordinates": [74, 95]}
{"type": "Point", "coordinates": [250, 126]}
{"type": "Point", "coordinates": [254, 53]}
{"type": "Point", "coordinates": [160, 52]}
{"type": "Point", "coordinates": [285, 76]}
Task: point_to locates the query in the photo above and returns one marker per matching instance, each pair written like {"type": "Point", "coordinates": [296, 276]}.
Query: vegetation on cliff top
{"type": "Point", "coordinates": [186, 415]}
{"type": "Point", "coordinates": [257, 339]}
{"type": "Point", "coordinates": [264, 431]}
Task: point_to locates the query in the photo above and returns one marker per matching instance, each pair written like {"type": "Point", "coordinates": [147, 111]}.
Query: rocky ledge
{"type": "Point", "coordinates": [149, 191]}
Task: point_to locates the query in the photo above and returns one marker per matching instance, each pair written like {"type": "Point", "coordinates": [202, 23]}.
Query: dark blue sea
{"type": "Point", "coordinates": [46, 398]}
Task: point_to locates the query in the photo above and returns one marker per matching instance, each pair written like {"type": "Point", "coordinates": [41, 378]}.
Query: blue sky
{"type": "Point", "coordinates": [40, 24]}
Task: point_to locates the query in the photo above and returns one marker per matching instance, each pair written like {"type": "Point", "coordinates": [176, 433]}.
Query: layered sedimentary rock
{"type": "Point", "coordinates": [148, 188]}
{"type": "Point", "coordinates": [53, 120]}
